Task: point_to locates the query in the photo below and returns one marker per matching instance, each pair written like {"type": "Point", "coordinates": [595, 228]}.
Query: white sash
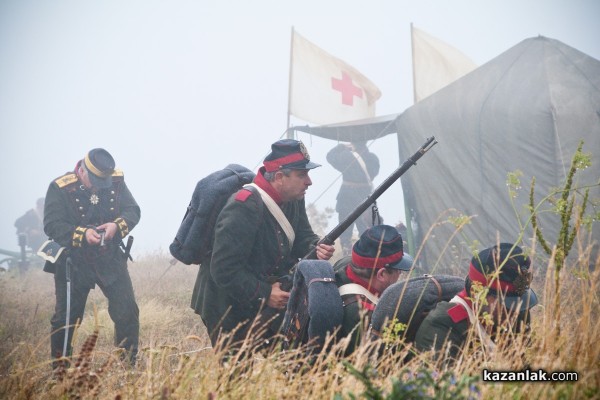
{"type": "Point", "coordinates": [483, 335]}
{"type": "Point", "coordinates": [362, 164]}
{"type": "Point", "coordinates": [277, 213]}
{"type": "Point", "coordinates": [355, 288]}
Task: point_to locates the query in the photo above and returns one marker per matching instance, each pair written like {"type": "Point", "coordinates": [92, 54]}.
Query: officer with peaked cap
{"type": "Point", "coordinates": [260, 234]}
{"type": "Point", "coordinates": [376, 262]}
{"type": "Point", "coordinates": [503, 274]}
{"type": "Point", "coordinates": [88, 212]}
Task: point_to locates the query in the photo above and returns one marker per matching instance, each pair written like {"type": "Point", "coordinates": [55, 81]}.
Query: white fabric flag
{"type": "Point", "coordinates": [435, 64]}
{"type": "Point", "coordinates": [325, 89]}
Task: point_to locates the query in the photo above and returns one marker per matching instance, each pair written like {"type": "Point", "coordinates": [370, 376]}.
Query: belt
{"type": "Point", "coordinates": [356, 184]}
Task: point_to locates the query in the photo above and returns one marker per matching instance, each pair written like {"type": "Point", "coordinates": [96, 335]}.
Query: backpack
{"type": "Point", "coordinates": [411, 300]}
{"type": "Point", "coordinates": [315, 306]}
{"type": "Point", "coordinates": [194, 240]}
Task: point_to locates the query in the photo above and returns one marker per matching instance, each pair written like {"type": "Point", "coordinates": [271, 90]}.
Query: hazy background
{"type": "Point", "coordinates": [178, 89]}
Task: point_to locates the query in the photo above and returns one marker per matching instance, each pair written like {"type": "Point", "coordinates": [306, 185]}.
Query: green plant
{"type": "Point", "coordinates": [571, 217]}
{"type": "Point", "coordinates": [392, 332]}
{"type": "Point", "coordinates": [425, 383]}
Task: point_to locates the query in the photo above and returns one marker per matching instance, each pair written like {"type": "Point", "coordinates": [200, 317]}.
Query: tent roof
{"type": "Point", "coordinates": [526, 110]}
{"type": "Point", "coordinates": [354, 131]}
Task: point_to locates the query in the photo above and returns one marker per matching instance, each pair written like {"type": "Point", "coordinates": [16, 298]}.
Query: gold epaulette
{"type": "Point", "coordinates": [117, 172]}
{"type": "Point", "coordinates": [66, 179]}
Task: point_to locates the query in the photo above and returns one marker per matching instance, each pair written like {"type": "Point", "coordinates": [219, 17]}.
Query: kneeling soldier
{"type": "Point", "coordinates": [502, 273]}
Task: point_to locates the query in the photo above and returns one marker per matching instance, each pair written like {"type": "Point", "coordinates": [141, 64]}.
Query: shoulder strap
{"type": "Point", "coordinates": [277, 213]}
{"type": "Point", "coordinates": [355, 288]}
{"type": "Point", "coordinates": [437, 285]}
{"type": "Point", "coordinates": [483, 335]}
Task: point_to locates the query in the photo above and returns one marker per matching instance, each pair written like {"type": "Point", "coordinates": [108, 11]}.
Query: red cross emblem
{"type": "Point", "coordinates": [347, 88]}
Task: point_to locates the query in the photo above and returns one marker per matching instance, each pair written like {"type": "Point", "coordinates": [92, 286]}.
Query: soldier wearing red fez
{"type": "Point", "coordinates": [260, 234]}
{"type": "Point", "coordinates": [376, 262]}
{"type": "Point", "coordinates": [503, 274]}
{"type": "Point", "coordinates": [87, 214]}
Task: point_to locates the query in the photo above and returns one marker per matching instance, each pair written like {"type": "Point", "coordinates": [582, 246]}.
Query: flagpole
{"type": "Point", "coordinates": [412, 48]}
{"type": "Point", "coordinates": [410, 240]}
{"type": "Point", "coordinates": [290, 134]}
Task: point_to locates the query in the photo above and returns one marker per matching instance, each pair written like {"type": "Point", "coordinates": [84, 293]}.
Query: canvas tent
{"type": "Point", "coordinates": [525, 110]}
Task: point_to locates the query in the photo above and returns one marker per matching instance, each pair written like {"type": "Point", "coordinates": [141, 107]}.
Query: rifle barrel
{"type": "Point", "coordinates": [362, 207]}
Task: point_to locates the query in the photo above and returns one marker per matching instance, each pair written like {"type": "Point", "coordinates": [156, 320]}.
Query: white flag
{"type": "Point", "coordinates": [435, 64]}
{"type": "Point", "coordinates": [325, 89]}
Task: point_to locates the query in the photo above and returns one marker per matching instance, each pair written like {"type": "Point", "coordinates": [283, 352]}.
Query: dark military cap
{"type": "Point", "coordinates": [513, 280]}
{"type": "Point", "coordinates": [100, 166]}
{"type": "Point", "coordinates": [380, 247]}
{"type": "Point", "coordinates": [288, 153]}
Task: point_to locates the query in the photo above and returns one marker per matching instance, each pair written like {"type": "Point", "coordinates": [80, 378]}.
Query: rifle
{"type": "Point", "coordinates": [287, 280]}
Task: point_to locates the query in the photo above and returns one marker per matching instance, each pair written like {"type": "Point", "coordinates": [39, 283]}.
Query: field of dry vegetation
{"type": "Point", "coordinates": [177, 362]}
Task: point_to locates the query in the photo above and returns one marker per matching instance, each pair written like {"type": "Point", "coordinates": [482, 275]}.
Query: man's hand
{"type": "Point", "coordinates": [278, 298]}
{"type": "Point", "coordinates": [110, 228]}
{"type": "Point", "coordinates": [93, 237]}
{"type": "Point", "coordinates": [325, 251]}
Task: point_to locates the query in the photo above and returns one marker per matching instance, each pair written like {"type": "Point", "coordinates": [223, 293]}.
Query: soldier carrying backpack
{"type": "Point", "coordinates": [259, 234]}
{"type": "Point", "coordinates": [377, 261]}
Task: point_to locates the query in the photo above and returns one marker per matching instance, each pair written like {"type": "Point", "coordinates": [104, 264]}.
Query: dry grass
{"type": "Point", "coordinates": [176, 360]}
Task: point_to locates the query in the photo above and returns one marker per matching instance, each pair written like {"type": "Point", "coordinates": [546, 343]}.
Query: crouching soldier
{"type": "Point", "coordinates": [497, 286]}
{"type": "Point", "coordinates": [376, 262]}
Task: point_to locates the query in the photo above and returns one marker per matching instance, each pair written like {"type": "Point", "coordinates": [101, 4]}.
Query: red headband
{"type": "Point", "coordinates": [274, 165]}
{"type": "Point", "coordinates": [498, 285]}
{"type": "Point", "coordinates": [370, 262]}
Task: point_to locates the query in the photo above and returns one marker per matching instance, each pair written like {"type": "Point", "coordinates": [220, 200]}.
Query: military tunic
{"type": "Point", "coordinates": [70, 209]}
{"type": "Point", "coordinates": [250, 252]}
{"type": "Point", "coordinates": [356, 186]}
{"type": "Point", "coordinates": [446, 322]}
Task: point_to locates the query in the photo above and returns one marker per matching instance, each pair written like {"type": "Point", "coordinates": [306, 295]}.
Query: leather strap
{"type": "Point", "coordinates": [320, 280]}
{"type": "Point", "coordinates": [437, 285]}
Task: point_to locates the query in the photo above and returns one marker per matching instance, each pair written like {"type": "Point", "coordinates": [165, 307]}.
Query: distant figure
{"type": "Point", "coordinates": [31, 224]}
{"type": "Point", "coordinates": [358, 167]}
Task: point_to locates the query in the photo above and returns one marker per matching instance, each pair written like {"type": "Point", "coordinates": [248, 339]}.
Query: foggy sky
{"type": "Point", "coordinates": [176, 90]}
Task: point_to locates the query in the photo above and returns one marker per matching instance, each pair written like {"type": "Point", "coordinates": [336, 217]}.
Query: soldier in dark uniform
{"type": "Point", "coordinates": [81, 206]}
{"type": "Point", "coordinates": [508, 297]}
{"type": "Point", "coordinates": [376, 262]}
{"type": "Point", "coordinates": [31, 224]}
{"type": "Point", "coordinates": [252, 248]}
{"type": "Point", "coordinates": [358, 167]}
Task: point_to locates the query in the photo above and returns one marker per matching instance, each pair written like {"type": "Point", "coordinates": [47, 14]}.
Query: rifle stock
{"type": "Point", "coordinates": [329, 238]}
